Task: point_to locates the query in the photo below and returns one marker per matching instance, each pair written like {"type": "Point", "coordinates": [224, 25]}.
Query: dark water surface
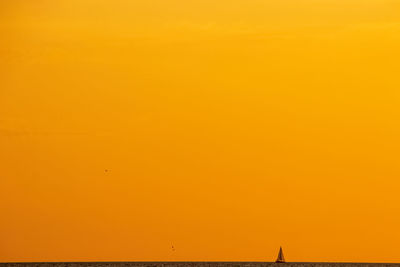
{"type": "Point", "coordinates": [193, 264]}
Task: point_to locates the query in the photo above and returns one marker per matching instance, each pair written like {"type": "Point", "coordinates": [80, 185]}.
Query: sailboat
{"type": "Point", "coordinates": [281, 258]}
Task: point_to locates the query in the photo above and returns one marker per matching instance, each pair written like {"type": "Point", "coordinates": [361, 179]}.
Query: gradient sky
{"type": "Point", "coordinates": [225, 128]}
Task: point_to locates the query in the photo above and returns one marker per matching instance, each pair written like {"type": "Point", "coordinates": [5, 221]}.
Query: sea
{"type": "Point", "coordinates": [194, 264]}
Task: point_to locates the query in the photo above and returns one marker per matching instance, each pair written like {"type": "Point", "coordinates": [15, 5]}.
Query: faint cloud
{"type": "Point", "coordinates": [8, 132]}
{"type": "Point", "coordinates": [17, 133]}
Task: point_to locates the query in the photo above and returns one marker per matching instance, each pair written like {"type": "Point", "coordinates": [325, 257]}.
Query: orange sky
{"type": "Point", "coordinates": [227, 127]}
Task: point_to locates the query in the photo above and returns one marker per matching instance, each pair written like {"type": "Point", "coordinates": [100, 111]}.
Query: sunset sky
{"type": "Point", "coordinates": [224, 128]}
